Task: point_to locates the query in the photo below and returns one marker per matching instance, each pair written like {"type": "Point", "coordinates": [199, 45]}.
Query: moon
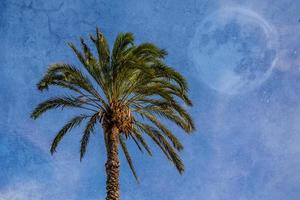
{"type": "Point", "coordinates": [233, 50]}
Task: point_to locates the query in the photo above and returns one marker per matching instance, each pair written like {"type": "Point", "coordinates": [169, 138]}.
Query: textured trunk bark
{"type": "Point", "coordinates": [112, 165]}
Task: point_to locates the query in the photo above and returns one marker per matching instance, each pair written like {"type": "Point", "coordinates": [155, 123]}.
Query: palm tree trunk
{"type": "Point", "coordinates": [112, 165]}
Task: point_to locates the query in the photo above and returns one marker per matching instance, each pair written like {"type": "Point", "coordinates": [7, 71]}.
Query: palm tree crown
{"type": "Point", "coordinates": [129, 89]}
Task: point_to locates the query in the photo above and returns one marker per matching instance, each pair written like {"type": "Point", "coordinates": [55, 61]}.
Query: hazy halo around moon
{"type": "Point", "coordinates": [233, 50]}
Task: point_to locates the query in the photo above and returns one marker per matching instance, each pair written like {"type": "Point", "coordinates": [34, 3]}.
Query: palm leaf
{"type": "Point", "coordinates": [86, 134]}
{"type": "Point", "coordinates": [56, 102]}
{"type": "Point", "coordinates": [176, 143]}
{"type": "Point", "coordinates": [102, 48]}
{"type": "Point", "coordinates": [128, 157]}
{"type": "Point", "coordinates": [65, 129]}
{"type": "Point", "coordinates": [139, 138]}
{"type": "Point", "coordinates": [164, 145]}
{"type": "Point", "coordinates": [150, 131]}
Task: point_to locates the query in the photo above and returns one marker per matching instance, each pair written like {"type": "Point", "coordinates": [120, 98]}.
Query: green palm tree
{"type": "Point", "coordinates": [127, 91]}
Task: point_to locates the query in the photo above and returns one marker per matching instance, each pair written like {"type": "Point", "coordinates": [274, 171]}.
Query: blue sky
{"type": "Point", "coordinates": [247, 142]}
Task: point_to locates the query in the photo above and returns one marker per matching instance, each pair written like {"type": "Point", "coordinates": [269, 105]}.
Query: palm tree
{"type": "Point", "coordinates": [127, 91]}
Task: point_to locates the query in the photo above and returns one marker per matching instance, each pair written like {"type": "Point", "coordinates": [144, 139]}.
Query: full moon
{"type": "Point", "coordinates": [233, 50]}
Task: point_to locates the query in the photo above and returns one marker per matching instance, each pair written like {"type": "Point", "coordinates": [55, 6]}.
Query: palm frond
{"type": "Point", "coordinates": [65, 129]}
{"type": "Point", "coordinates": [167, 72]}
{"type": "Point", "coordinates": [137, 134]}
{"type": "Point", "coordinates": [169, 114]}
{"type": "Point", "coordinates": [102, 48]}
{"type": "Point", "coordinates": [91, 65]}
{"type": "Point", "coordinates": [86, 134]}
{"type": "Point", "coordinates": [89, 58]}
{"type": "Point", "coordinates": [150, 131]}
{"type": "Point", "coordinates": [57, 102]}
{"type": "Point", "coordinates": [176, 160]}
{"type": "Point", "coordinates": [122, 42]}
{"type": "Point", "coordinates": [148, 52]}
{"type": "Point", "coordinates": [170, 106]}
{"type": "Point", "coordinates": [136, 142]}
{"type": "Point", "coordinates": [176, 143]}
{"type": "Point", "coordinates": [163, 144]}
{"type": "Point", "coordinates": [128, 157]}
{"type": "Point", "coordinates": [68, 76]}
